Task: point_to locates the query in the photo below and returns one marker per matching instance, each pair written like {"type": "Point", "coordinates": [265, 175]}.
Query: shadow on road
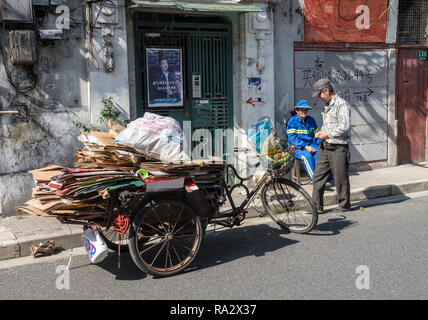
{"type": "Point", "coordinates": [333, 226]}
{"type": "Point", "coordinates": [377, 195]}
{"type": "Point", "coordinates": [232, 244]}
{"type": "Point", "coordinates": [217, 248]}
{"type": "Point", "coordinates": [229, 245]}
{"type": "Point", "coordinates": [394, 196]}
{"type": "Point", "coordinates": [128, 270]}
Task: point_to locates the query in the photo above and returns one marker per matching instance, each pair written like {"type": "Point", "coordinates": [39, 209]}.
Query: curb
{"type": "Point", "coordinates": [9, 249]}
{"type": "Point", "coordinates": [9, 245]}
{"type": "Point", "coordinates": [62, 241]}
{"type": "Point", "coordinates": [12, 247]}
{"type": "Point", "coordinates": [386, 190]}
{"type": "Point", "coordinates": [17, 247]}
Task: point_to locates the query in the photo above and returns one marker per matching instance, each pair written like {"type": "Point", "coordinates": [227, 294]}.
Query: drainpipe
{"type": "Point", "coordinates": [260, 38]}
{"type": "Point", "coordinates": [426, 33]}
{"type": "Point", "coordinates": [88, 64]}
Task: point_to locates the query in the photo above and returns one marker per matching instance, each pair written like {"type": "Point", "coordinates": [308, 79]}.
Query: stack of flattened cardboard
{"type": "Point", "coordinates": [102, 166]}
{"type": "Point", "coordinates": [77, 194]}
{"type": "Point", "coordinates": [100, 151]}
{"type": "Point", "coordinates": [43, 200]}
{"type": "Point", "coordinates": [198, 169]}
{"type": "Point", "coordinates": [161, 176]}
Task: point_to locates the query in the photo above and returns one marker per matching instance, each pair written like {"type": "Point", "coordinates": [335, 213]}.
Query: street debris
{"type": "Point", "coordinates": [42, 249]}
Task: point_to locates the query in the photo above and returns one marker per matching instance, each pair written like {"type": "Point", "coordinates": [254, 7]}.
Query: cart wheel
{"type": "Point", "coordinates": [111, 238]}
{"type": "Point", "coordinates": [165, 237]}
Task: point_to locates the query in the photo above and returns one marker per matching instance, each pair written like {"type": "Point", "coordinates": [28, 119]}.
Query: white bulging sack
{"type": "Point", "coordinates": [155, 136]}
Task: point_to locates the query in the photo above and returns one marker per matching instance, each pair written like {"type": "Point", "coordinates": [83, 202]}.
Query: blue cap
{"type": "Point", "coordinates": [302, 104]}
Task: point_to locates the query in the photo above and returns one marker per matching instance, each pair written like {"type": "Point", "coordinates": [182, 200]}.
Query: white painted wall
{"type": "Point", "coordinates": [257, 62]}
{"type": "Point", "coordinates": [288, 24]}
{"type": "Point", "coordinates": [68, 88]}
{"type": "Point", "coordinates": [43, 132]}
{"type": "Point", "coordinates": [391, 27]}
{"type": "Point", "coordinates": [115, 84]}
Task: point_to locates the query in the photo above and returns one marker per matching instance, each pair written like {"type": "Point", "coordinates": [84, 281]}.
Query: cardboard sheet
{"type": "Point", "coordinates": [44, 174]}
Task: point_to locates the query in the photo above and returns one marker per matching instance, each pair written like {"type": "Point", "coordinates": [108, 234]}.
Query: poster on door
{"type": "Point", "coordinates": [164, 77]}
{"type": "Point", "coordinates": [345, 21]}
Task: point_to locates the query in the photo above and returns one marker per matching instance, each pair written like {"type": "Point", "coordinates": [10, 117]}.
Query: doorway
{"type": "Point", "coordinates": [205, 48]}
{"type": "Point", "coordinates": [412, 105]}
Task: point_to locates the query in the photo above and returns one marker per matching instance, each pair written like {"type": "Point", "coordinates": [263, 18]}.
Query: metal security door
{"type": "Point", "coordinates": [207, 72]}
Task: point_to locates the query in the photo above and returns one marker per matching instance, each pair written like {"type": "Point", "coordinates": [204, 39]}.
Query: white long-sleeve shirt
{"type": "Point", "coordinates": [337, 121]}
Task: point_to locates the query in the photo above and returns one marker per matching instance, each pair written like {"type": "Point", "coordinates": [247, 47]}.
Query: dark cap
{"type": "Point", "coordinates": [320, 85]}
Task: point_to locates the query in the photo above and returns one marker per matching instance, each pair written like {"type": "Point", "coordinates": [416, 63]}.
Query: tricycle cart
{"type": "Point", "coordinates": [163, 230]}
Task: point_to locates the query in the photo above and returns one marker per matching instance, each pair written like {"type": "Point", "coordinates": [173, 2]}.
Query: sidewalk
{"type": "Point", "coordinates": [17, 233]}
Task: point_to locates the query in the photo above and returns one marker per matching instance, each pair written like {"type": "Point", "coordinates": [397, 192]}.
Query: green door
{"type": "Point", "coordinates": [207, 72]}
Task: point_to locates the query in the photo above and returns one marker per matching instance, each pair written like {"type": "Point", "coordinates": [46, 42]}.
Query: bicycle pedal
{"type": "Point", "coordinates": [238, 222]}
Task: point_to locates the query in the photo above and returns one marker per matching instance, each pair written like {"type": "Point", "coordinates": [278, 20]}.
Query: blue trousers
{"type": "Point", "coordinates": [309, 160]}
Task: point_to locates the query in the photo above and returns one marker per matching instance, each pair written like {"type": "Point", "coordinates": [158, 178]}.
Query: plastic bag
{"type": "Point", "coordinates": [155, 136]}
{"type": "Point", "coordinates": [258, 133]}
{"type": "Point", "coordinates": [263, 139]}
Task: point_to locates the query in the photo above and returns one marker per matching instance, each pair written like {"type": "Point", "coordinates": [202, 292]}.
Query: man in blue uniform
{"type": "Point", "coordinates": [301, 130]}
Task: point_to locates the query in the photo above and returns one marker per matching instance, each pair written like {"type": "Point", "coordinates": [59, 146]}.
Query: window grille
{"type": "Point", "coordinates": [413, 22]}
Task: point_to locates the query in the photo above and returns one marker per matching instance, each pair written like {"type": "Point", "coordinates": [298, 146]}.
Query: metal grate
{"type": "Point", "coordinates": [220, 116]}
{"type": "Point", "coordinates": [207, 54]}
{"type": "Point", "coordinates": [413, 22]}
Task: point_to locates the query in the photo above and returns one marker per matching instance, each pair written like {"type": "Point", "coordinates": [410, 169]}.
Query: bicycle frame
{"type": "Point", "coordinates": [247, 200]}
{"type": "Point", "coordinates": [241, 210]}
{"type": "Point", "coordinates": [250, 195]}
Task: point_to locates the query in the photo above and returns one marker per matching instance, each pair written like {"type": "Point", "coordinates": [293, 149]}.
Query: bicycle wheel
{"type": "Point", "coordinates": [165, 237]}
{"type": "Point", "coordinates": [289, 205]}
{"type": "Point", "coordinates": [111, 238]}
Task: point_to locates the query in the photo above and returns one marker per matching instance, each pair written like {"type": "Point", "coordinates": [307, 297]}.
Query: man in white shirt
{"type": "Point", "coordinates": [333, 154]}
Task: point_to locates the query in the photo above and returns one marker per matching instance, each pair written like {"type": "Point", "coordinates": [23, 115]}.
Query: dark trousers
{"type": "Point", "coordinates": [334, 159]}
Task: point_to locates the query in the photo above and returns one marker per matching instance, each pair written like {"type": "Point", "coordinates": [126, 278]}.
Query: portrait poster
{"type": "Point", "coordinates": [164, 77]}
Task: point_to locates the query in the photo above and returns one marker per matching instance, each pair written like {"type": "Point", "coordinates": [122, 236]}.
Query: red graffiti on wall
{"type": "Point", "coordinates": [345, 20]}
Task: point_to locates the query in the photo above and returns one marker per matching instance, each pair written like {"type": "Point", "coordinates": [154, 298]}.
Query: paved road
{"type": "Point", "coordinates": [382, 249]}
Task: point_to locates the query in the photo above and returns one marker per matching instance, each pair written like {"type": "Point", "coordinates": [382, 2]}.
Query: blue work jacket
{"type": "Point", "coordinates": [301, 134]}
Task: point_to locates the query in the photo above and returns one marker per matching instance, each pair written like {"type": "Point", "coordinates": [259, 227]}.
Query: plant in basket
{"type": "Point", "coordinates": [283, 160]}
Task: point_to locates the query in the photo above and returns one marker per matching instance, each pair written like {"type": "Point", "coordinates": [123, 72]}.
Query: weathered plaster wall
{"type": "Point", "coordinates": [114, 84]}
{"type": "Point", "coordinates": [391, 27]}
{"type": "Point", "coordinates": [257, 81]}
{"type": "Point", "coordinates": [131, 65]}
{"type": "Point", "coordinates": [392, 131]}
{"type": "Point", "coordinates": [391, 37]}
{"type": "Point", "coordinates": [42, 132]}
{"type": "Point", "coordinates": [68, 87]}
{"type": "Point", "coordinates": [258, 89]}
{"type": "Point", "coordinates": [289, 27]}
